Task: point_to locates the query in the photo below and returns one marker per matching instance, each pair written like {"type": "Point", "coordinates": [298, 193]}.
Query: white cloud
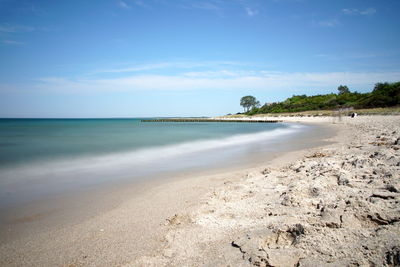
{"type": "Point", "coordinates": [222, 80]}
{"type": "Point", "coordinates": [328, 23]}
{"type": "Point", "coordinates": [11, 42]}
{"type": "Point", "coordinates": [171, 65]}
{"type": "Point", "coordinates": [355, 11]}
{"type": "Point", "coordinates": [203, 5]}
{"type": "Point", "coordinates": [221, 8]}
{"type": "Point", "coordinates": [349, 11]}
{"type": "Point", "coordinates": [251, 12]}
{"type": "Point", "coordinates": [368, 11]}
{"type": "Point", "coordinates": [140, 3]}
{"type": "Point", "coordinates": [123, 5]}
{"type": "Point", "coordinates": [9, 28]}
{"type": "Point", "coordinates": [345, 56]}
{"type": "Point", "coordinates": [135, 68]}
{"type": "Point", "coordinates": [218, 74]}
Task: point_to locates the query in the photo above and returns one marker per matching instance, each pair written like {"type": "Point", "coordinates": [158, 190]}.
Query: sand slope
{"type": "Point", "coordinates": [337, 206]}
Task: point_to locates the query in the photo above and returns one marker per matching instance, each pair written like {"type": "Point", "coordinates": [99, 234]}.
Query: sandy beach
{"type": "Point", "coordinates": [199, 133]}
{"type": "Point", "coordinates": [332, 205]}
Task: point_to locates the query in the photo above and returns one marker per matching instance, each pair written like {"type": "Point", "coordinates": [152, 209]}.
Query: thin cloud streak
{"type": "Point", "coordinates": [222, 80]}
{"type": "Point", "coordinates": [137, 68]}
{"type": "Point", "coordinates": [164, 65]}
{"type": "Point", "coordinates": [355, 11]}
{"type": "Point", "coordinates": [9, 28]}
{"type": "Point", "coordinates": [328, 23]}
{"type": "Point", "coordinates": [219, 7]}
{"type": "Point", "coordinates": [12, 42]}
{"type": "Point", "coordinates": [348, 56]}
{"type": "Point", "coordinates": [140, 3]}
{"type": "Point", "coordinates": [123, 5]}
{"type": "Point", "coordinates": [203, 5]}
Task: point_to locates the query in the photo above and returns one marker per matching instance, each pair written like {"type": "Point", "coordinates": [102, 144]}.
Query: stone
{"type": "Point", "coordinates": [331, 218]}
{"type": "Point", "coordinates": [392, 257]}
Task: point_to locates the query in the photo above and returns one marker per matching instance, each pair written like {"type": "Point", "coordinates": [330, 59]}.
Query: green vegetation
{"type": "Point", "coordinates": [383, 95]}
{"type": "Point", "coordinates": [343, 89]}
{"type": "Point", "coordinates": [249, 102]}
{"type": "Point", "coordinates": [314, 113]}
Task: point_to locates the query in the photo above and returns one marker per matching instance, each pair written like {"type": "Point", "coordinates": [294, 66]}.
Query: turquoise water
{"type": "Point", "coordinates": [26, 140]}
{"type": "Point", "coordinates": [47, 156]}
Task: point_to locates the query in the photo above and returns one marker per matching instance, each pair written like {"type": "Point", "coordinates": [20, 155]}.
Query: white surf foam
{"type": "Point", "coordinates": [107, 164]}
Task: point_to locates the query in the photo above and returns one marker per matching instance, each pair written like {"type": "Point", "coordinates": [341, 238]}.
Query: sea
{"type": "Point", "coordinates": [44, 157]}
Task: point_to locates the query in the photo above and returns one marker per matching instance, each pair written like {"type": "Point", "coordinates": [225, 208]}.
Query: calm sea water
{"type": "Point", "coordinates": [47, 156]}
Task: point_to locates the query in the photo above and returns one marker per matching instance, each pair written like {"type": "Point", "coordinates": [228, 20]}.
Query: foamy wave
{"type": "Point", "coordinates": [130, 160]}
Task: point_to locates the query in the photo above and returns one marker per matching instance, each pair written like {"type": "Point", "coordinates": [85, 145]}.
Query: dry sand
{"type": "Point", "coordinates": [336, 205]}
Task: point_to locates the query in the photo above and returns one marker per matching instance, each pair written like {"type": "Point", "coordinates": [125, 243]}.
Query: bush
{"type": "Point", "coordinates": [383, 95]}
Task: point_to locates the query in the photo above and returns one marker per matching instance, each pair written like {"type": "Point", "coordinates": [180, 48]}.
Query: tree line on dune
{"type": "Point", "coordinates": [383, 95]}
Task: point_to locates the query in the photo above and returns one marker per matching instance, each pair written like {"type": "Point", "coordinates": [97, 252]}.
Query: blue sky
{"type": "Point", "coordinates": [132, 58]}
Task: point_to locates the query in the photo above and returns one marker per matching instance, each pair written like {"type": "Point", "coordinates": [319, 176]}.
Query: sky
{"type": "Point", "coordinates": [144, 58]}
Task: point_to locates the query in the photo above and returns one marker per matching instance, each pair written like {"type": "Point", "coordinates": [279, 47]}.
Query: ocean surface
{"type": "Point", "coordinates": [40, 157]}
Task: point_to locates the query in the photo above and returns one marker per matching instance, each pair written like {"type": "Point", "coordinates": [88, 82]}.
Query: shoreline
{"type": "Point", "coordinates": [335, 205]}
{"type": "Point", "coordinates": [131, 241]}
{"type": "Point", "coordinates": [248, 153]}
{"type": "Point", "coordinates": [33, 179]}
{"type": "Point", "coordinates": [54, 224]}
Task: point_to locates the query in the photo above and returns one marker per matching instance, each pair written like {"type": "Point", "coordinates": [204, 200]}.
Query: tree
{"type": "Point", "coordinates": [248, 102]}
{"type": "Point", "coordinates": [343, 89]}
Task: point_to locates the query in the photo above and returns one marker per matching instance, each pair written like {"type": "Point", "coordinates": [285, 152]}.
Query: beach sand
{"type": "Point", "coordinates": [334, 205]}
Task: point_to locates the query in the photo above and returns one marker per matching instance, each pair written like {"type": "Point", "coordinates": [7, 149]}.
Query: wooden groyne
{"type": "Point", "coordinates": [208, 120]}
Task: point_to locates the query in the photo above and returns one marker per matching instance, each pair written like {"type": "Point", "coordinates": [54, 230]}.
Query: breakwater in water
{"type": "Point", "coordinates": [208, 120]}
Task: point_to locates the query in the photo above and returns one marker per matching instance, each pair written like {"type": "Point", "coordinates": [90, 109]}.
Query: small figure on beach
{"type": "Point", "coordinates": [353, 115]}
